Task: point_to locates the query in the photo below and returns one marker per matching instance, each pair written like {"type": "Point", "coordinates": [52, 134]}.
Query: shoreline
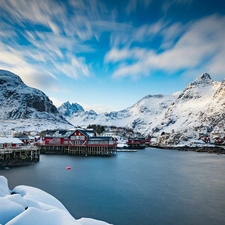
{"type": "Point", "coordinates": [216, 149]}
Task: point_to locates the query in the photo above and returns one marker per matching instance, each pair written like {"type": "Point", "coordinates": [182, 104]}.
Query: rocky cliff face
{"type": "Point", "coordinates": [18, 101]}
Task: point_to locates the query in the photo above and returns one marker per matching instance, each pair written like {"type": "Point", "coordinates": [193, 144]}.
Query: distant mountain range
{"type": "Point", "coordinates": [200, 104]}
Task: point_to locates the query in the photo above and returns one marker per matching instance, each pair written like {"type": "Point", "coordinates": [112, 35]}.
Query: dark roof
{"type": "Point", "coordinates": [84, 132]}
{"type": "Point", "coordinates": [23, 137]}
{"type": "Point", "coordinates": [137, 139]}
{"type": "Point", "coordinates": [67, 133]}
{"type": "Point", "coordinates": [58, 133]}
{"type": "Point", "coordinates": [100, 138]}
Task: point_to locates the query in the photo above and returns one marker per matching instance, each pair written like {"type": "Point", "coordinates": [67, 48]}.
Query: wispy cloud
{"type": "Point", "coordinates": [45, 41]}
{"type": "Point", "coordinates": [133, 4]}
{"type": "Point", "coordinates": [36, 12]}
{"type": "Point", "coordinates": [200, 45]}
{"type": "Point", "coordinates": [42, 41]}
{"type": "Point", "coordinates": [74, 67]}
{"type": "Point", "coordinates": [130, 34]}
{"type": "Point", "coordinates": [116, 55]}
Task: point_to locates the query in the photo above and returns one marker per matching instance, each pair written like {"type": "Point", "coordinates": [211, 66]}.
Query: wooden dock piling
{"type": "Point", "coordinates": [19, 156]}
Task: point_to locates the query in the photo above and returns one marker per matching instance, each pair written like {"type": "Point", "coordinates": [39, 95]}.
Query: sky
{"type": "Point", "coordinates": [108, 54]}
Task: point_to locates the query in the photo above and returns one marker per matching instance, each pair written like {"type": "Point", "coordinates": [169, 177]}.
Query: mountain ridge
{"type": "Point", "coordinates": [196, 106]}
{"type": "Point", "coordinates": [200, 104]}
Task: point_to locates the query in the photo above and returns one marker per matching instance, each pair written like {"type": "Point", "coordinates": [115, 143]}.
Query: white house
{"type": "Point", "coordinates": [6, 142]}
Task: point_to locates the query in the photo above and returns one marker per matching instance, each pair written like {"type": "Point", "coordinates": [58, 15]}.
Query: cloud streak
{"type": "Point", "coordinates": [41, 41]}
{"type": "Point", "coordinates": [201, 44]}
{"type": "Point", "coordinates": [49, 43]}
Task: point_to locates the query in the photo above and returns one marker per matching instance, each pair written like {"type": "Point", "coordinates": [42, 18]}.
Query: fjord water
{"type": "Point", "coordinates": [151, 186]}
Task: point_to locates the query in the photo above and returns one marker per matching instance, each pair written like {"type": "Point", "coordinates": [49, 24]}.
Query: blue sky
{"type": "Point", "coordinates": [108, 54]}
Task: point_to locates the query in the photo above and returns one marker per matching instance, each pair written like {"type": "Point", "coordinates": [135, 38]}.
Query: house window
{"type": "Point", "coordinates": [77, 137]}
{"type": "Point", "coordinates": [81, 138]}
{"type": "Point", "coordinates": [72, 138]}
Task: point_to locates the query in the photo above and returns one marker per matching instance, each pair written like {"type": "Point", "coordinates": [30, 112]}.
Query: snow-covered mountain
{"type": "Point", "coordinates": [140, 116]}
{"type": "Point", "coordinates": [189, 109]}
{"type": "Point", "coordinates": [200, 104]}
{"type": "Point", "coordinates": [67, 109]}
{"type": "Point", "coordinates": [75, 112]}
{"type": "Point", "coordinates": [21, 102]}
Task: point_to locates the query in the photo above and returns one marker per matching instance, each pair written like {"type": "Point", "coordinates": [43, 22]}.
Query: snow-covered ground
{"type": "Point", "coordinates": [38, 125]}
{"type": "Point", "coordinates": [25, 205]}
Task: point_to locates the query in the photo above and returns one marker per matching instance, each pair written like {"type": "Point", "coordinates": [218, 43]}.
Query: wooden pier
{"type": "Point", "coordinates": [91, 150]}
{"type": "Point", "coordinates": [78, 150]}
{"type": "Point", "coordinates": [19, 156]}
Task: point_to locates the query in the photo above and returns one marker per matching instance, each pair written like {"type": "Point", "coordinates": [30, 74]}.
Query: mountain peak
{"type": "Point", "coordinates": [68, 109]}
{"type": "Point", "coordinates": [204, 80]}
{"type": "Point", "coordinates": [10, 79]}
{"type": "Point", "coordinates": [205, 76]}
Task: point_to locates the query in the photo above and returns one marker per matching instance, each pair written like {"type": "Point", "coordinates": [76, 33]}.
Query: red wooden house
{"type": "Point", "coordinates": [67, 137]}
{"type": "Point", "coordinates": [136, 143]}
{"type": "Point", "coordinates": [79, 141]}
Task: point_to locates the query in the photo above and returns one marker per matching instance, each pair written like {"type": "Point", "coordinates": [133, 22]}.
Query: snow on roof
{"type": "Point", "coordinates": [26, 205]}
{"type": "Point", "coordinates": [10, 140]}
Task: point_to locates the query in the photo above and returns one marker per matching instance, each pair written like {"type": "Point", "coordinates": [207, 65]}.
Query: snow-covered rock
{"type": "Point", "coordinates": [18, 101]}
{"type": "Point", "coordinates": [26, 205]}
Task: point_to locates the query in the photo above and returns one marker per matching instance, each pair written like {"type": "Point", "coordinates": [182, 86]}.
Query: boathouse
{"type": "Point", "coordinates": [10, 142]}
{"type": "Point", "coordinates": [138, 143]}
{"type": "Point", "coordinates": [77, 142]}
{"type": "Point", "coordinates": [14, 153]}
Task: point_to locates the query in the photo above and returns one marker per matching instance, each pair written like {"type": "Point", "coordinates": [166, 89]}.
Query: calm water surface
{"type": "Point", "coordinates": [151, 186]}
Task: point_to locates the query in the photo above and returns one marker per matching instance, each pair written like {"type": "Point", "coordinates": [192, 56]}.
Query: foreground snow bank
{"type": "Point", "coordinates": [26, 205]}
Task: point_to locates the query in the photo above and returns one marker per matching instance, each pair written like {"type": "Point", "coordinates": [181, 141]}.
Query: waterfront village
{"type": "Point", "coordinates": [19, 148]}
